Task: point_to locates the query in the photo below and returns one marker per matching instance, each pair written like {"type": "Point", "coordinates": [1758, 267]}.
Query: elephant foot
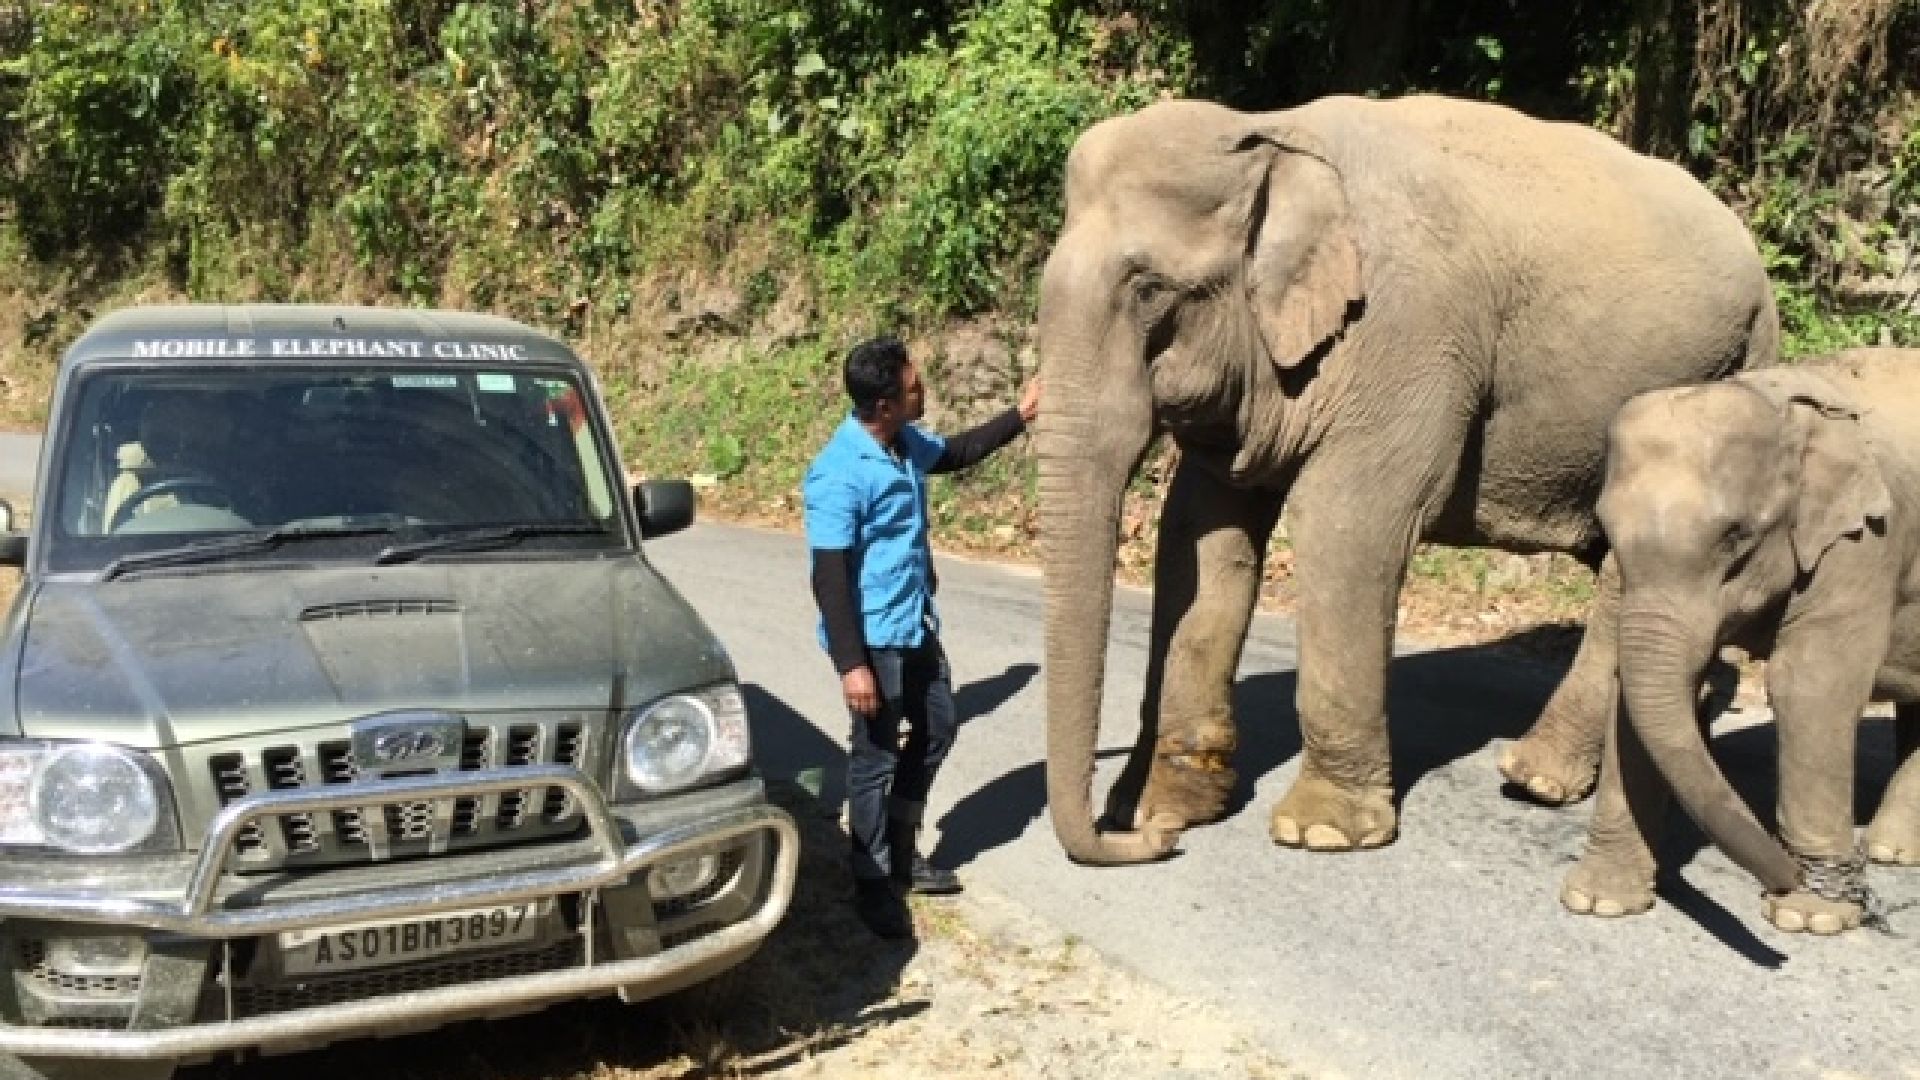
{"type": "Point", "coordinates": [1604, 890]}
{"type": "Point", "coordinates": [1188, 784]}
{"type": "Point", "coordinates": [1550, 774]}
{"type": "Point", "coordinates": [1179, 790]}
{"type": "Point", "coordinates": [1322, 816]}
{"type": "Point", "coordinates": [1802, 911]}
{"type": "Point", "coordinates": [1896, 843]}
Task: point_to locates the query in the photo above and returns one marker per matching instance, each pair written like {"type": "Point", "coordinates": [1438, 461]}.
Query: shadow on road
{"type": "Point", "coordinates": [1445, 705]}
{"type": "Point", "coordinates": [820, 981]}
{"type": "Point", "coordinates": [977, 699]}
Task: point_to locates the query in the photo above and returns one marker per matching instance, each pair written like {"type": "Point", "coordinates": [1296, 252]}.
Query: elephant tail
{"type": "Point", "coordinates": [1763, 335]}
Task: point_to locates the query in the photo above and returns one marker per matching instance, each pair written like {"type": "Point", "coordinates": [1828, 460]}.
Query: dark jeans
{"type": "Point", "coordinates": [888, 775]}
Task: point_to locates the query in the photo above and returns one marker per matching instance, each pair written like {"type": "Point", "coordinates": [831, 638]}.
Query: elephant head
{"type": "Point", "coordinates": [1720, 502]}
{"type": "Point", "coordinates": [1192, 299]}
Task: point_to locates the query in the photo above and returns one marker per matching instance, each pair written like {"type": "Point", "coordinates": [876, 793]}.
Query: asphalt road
{"type": "Point", "coordinates": [1444, 955]}
{"type": "Point", "coordinates": [19, 456]}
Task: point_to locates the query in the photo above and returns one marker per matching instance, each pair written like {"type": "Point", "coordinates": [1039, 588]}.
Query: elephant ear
{"type": "Point", "coordinates": [1841, 489]}
{"type": "Point", "coordinates": [1303, 264]}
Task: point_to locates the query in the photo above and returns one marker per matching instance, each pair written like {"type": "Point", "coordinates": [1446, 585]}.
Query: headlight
{"type": "Point", "coordinates": [91, 798]}
{"type": "Point", "coordinates": [682, 739]}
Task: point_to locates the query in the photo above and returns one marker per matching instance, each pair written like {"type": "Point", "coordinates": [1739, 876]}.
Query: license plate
{"type": "Point", "coordinates": [378, 944]}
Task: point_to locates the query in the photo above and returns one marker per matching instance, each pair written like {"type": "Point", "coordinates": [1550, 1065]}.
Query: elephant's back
{"type": "Point", "coordinates": [1555, 184]}
{"type": "Point", "coordinates": [1884, 382]}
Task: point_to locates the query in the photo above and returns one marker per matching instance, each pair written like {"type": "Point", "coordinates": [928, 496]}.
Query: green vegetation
{"type": "Point", "coordinates": [836, 167]}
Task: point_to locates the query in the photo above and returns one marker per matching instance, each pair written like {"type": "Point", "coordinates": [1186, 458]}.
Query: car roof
{"type": "Point", "coordinates": [267, 333]}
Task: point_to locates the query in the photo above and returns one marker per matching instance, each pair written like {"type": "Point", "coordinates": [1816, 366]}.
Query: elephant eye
{"type": "Point", "coordinates": [1150, 291]}
{"type": "Point", "coordinates": [1153, 306]}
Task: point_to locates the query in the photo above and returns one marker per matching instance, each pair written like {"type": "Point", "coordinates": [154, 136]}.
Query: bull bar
{"type": "Point", "coordinates": [197, 913]}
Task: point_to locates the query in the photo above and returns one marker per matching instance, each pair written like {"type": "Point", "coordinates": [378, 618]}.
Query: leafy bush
{"type": "Point", "coordinates": [96, 102]}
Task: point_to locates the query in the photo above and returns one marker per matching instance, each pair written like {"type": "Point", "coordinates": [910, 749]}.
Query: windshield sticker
{"type": "Point", "coordinates": [494, 382]}
{"type": "Point", "coordinates": [438, 382]}
{"type": "Point", "coordinates": [494, 351]}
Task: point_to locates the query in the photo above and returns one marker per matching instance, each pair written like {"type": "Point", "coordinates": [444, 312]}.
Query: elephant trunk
{"type": "Point", "coordinates": [1667, 658]}
{"type": "Point", "coordinates": [1083, 475]}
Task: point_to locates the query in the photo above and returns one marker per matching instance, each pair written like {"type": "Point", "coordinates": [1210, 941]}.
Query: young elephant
{"type": "Point", "coordinates": [1780, 512]}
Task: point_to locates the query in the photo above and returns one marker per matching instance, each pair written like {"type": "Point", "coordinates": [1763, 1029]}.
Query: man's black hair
{"type": "Point", "coordinates": [876, 372]}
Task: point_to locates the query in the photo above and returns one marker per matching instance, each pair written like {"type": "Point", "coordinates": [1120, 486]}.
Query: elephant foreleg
{"type": "Point", "coordinates": [1615, 876]}
{"type": "Point", "coordinates": [1350, 556]}
{"type": "Point", "coordinates": [1894, 836]}
{"type": "Point", "coordinates": [1817, 701]}
{"type": "Point", "coordinates": [1556, 760]}
{"type": "Point", "coordinates": [1212, 542]}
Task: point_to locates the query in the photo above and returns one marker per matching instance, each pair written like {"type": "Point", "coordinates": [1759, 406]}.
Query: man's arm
{"type": "Point", "coordinates": [833, 591]}
{"type": "Point", "coordinates": [969, 447]}
{"type": "Point", "coordinates": [846, 644]}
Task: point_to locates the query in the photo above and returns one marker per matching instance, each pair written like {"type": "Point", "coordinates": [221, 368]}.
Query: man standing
{"type": "Point", "coordinates": [866, 514]}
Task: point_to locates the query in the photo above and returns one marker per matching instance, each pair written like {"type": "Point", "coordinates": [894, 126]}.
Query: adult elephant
{"type": "Point", "coordinates": [1402, 319]}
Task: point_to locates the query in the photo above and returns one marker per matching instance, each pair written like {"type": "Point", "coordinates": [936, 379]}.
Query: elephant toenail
{"type": "Point", "coordinates": [1286, 831]}
{"type": "Point", "coordinates": [1327, 838]}
{"type": "Point", "coordinates": [1892, 855]}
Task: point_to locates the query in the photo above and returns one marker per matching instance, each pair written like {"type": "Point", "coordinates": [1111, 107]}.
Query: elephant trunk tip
{"type": "Point", "coordinates": [1151, 843]}
{"type": "Point", "coordinates": [1779, 872]}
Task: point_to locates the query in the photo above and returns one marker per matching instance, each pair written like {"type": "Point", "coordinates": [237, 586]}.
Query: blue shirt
{"type": "Point", "coordinates": [861, 498]}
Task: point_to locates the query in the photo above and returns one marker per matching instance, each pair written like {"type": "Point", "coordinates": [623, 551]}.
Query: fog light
{"type": "Point", "coordinates": [97, 957]}
{"type": "Point", "coordinates": [683, 877]}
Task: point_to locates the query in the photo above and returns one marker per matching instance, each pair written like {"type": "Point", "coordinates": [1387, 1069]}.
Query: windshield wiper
{"type": "Point", "coordinates": [480, 539]}
{"type": "Point", "coordinates": [244, 543]}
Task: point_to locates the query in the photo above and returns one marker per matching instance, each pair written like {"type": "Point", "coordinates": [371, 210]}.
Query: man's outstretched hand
{"type": "Point", "coordinates": [1030, 401]}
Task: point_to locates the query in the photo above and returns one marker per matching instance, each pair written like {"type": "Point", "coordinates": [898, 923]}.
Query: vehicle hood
{"type": "Point", "coordinates": [174, 659]}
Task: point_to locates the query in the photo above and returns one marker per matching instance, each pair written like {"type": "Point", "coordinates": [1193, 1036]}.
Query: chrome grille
{"type": "Point", "coordinates": [230, 783]}
{"type": "Point", "coordinates": [284, 771]}
{"type": "Point", "coordinates": [383, 830]}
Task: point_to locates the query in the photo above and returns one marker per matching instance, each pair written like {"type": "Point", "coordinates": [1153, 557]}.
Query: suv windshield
{"type": "Point", "coordinates": [349, 461]}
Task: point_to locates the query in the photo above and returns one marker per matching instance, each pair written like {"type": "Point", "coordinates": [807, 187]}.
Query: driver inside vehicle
{"type": "Point", "coordinates": [182, 459]}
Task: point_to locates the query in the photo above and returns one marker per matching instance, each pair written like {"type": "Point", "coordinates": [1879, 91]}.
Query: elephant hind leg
{"type": "Point", "coordinates": [1894, 836]}
{"type": "Point", "coordinates": [1556, 761]}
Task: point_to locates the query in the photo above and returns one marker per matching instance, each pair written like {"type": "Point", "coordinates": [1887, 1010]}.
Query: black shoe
{"type": "Point", "coordinates": [882, 910]}
{"type": "Point", "coordinates": [929, 880]}
{"type": "Point", "coordinates": [912, 873]}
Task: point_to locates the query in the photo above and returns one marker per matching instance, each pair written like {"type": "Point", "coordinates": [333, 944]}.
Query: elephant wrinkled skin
{"type": "Point", "coordinates": [1402, 319]}
{"type": "Point", "coordinates": [1778, 512]}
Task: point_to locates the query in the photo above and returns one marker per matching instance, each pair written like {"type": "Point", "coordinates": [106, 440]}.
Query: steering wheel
{"type": "Point", "coordinates": [222, 497]}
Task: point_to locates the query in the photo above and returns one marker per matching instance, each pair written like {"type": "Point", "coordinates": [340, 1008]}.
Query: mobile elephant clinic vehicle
{"type": "Point", "coordinates": [340, 699]}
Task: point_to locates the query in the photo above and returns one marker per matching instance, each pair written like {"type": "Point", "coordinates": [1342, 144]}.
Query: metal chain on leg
{"type": "Point", "coordinates": [1844, 881]}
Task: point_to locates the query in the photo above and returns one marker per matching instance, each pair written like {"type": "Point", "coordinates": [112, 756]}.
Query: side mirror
{"type": "Point", "coordinates": [666, 506]}
{"type": "Point", "coordinates": [13, 545]}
